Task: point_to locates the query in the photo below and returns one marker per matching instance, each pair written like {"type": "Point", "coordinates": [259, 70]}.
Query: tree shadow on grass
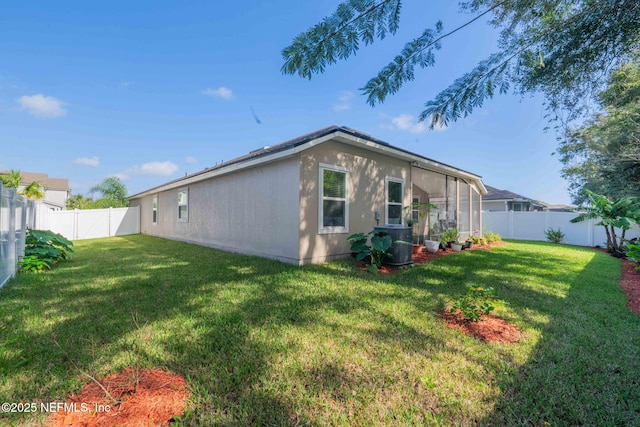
{"type": "Point", "coordinates": [581, 371]}
{"type": "Point", "coordinates": [229, 322]}
{"type": "Point", "coordinates": [211, 316]}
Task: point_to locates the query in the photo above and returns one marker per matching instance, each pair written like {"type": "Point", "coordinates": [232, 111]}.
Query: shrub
{"type": "Point", "coordinates": [450, 235]}
{"type": "Point", "coordinates": [33, 263]}
{"type": "Point", "coordinates": [476, 303]}
{"type": "Point", "coordinates": [491, 237]}
{"type": "Point", "coordinates": [380, 243]}
{"type": "Point", "coordinates": [477, 240]}
{"type": "Point", "coordinates": [43, 249]}
{"type": "Point", "coordinates": [633, 252]}
{"type": "Point", "coordinates": [554, 236]}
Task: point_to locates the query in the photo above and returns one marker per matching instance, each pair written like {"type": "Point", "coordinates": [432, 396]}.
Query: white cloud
{"type": "Point", "coordinates": [87, 161]}
{"type": "Point", "coordinates": [158, 168]}
{"type": "Point", "coordinates": [42, 106]}
{"type": "Point", "coordinates": [122, 176]}
{"type": "Point", "coordinates": [344, 102]}
{"type": "Point", "coordinates": [148, 169]}
{"type": "Point", "coordinates": [408, 123]}
{"type": "Point", "coordinates": [125, 83]}
{"type": "Point", "coordinates": [222, 93]}
{"type": "Point", "coordinates": [191, 160]}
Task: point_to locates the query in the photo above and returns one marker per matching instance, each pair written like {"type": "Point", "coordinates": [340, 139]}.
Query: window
{"type": "Point", "coordinates": [415, 211]}
{"type": "Point", "coordinates": [334, 209]}
{"type": "Point", "coordinates": [394, 201]}
{"type": "Point", "coordinates": [183, 206]}
{"type": "Point", "coordinates": [154, 207]}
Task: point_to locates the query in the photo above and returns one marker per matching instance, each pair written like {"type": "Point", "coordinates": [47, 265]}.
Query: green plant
{"type": "Point", "coordinates": [554, 236]}
{"type": "Point", "coordinates": [34, 264]}
{"type": "Point", "coordinates": [43, 249]}
{"type": "Point", "coordinates": [477, 240]}
{"type": "Point", "coordinates": [491, 237]}
{"type": "Point", "coordinates": [622, 213]}
{"type": "Point", "coordinates": [377, 252]}
{"type": "Point", "coordinates": [633, 252]}
{"type": "Point", "coordinates": [478, 301]}
{"type": "Point", "coordinates": [449, 235]}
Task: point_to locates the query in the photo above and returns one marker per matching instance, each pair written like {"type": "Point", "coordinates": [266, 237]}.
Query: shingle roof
{"type": "Point", "coordinates": [44, 179]}
{"type": "Point", "coordinates": [295, 142]}
{"type": "Point", "coordinates": [497, 194]}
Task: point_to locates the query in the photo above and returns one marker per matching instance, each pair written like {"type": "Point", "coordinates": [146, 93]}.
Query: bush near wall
{"type": "Point", "coordinates": [43, 249]}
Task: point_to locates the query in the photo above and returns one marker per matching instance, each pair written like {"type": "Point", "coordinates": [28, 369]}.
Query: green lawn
{"type": "Point", "coordinates": [264, 343]}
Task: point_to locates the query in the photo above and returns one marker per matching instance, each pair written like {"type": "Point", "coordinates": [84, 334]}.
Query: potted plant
{"type": "Point", "coordinates": [457, 246]}
{"type": "Point", "coordinates": [432, 245]}
{"type": "Point", "coordinates": [449, 236]}
{"type": "Point", "coordinates": [415, 238]}
{"type": "Point", "coordinates": [423, 209]}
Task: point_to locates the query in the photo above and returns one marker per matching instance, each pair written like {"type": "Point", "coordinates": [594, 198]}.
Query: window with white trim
{"type": "Point", "coordinates": [154, 208]}
{"type": "Point", "coordinates": [183, 205]}
{"type": "Point", "coordinates": [415, 210]}
{"type": "Point", "coordinates": [394, 200]}
{"type": "Point", "coordinates": [333, 204]}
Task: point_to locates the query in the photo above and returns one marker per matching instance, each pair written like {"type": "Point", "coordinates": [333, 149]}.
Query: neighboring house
{"type": "Point", "coordinates": [502, 200]}
{"type": "Point", "coordinates": [298, 201]}
{"type": "Point", "coordinates": [56, 190]}
{"type": "Point", "coordinates": [558, 208]}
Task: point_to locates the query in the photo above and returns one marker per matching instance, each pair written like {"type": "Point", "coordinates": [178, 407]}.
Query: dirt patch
{"type": "Point", "coordinates": [426, 256]}
{"type": "Point", "coordinates": [143, 397]}
{"type": "Point", "coordinates": [488, 328]}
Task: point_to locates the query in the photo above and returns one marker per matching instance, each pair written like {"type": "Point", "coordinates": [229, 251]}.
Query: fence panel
{"type": "Point", "coordinates": [16, 213]}
{"type": "Point", "coordinates": [90, 223]}
{"type": "Point", "coordinates": [532, 226]}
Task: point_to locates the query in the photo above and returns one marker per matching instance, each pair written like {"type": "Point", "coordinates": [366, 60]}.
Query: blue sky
{"type": "Point", "coordinates": [148, 91]}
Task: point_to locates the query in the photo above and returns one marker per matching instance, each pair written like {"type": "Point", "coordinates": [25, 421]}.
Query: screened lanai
{"type": "Point", "coordinates": [458, 204]}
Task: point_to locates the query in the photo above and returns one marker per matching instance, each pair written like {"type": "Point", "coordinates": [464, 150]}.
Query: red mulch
{"type": "Point", "coordinates": [158, 397]}
{"type": "Point", "coordinates": [488, 328]}
{"type": "Point", "coordinates": [630, 284]}
{"type": "Point", "coordinates": [426, 256]}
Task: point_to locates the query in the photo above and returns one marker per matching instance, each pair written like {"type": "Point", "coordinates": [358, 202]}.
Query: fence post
{"type": "Point", "coordinates": [76, 214]}
{"type": "Point", "coordinates": [511, 226]}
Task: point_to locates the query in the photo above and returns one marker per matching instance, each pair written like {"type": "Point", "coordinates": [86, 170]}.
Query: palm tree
{"type": "Point", "coordinates": [33, 191]}
{"type": "Point", "coordinates": [80, 202]}
{"type": "Point", "coordinates": [13, 179]}
{"type": "Point", "coordinates": [623, 214]}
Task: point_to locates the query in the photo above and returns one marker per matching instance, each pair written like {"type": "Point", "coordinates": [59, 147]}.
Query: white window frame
{"type": "Point", "coordinates": [332, 230]}
{"type": "Point", "coordinates": [154, 209]}
{"type": "Point", "coordinates": [186, 218]}
{"type": "Point", "coordinates": [387, 180]}
{"type": "Point", "coordinates": [415, 209]}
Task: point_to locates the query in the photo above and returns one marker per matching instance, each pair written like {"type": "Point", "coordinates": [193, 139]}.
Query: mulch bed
{"type": "Point", "coordinates": [426, 256]}
{"type": "Point", "coordinates": [488, 328]}
{"type": "Point", "coordinates": [145, 397]}
{"type": "Point", "coordinates": [630, 284]}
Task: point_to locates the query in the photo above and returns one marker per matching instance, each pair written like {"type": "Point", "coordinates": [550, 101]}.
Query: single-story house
{"type": "Point", "coordinates": [497, 200]}
{"type": "Point", "coordinates": [299, 200]}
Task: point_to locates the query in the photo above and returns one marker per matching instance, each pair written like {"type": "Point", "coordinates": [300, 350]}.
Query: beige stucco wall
{"type": "Point", "coordinates": [254, 211]}
{"type": "Point", "coordinates": [366, 195]}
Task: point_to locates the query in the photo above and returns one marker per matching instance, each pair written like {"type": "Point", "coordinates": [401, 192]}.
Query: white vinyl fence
{"type": "Point", "coordinates": [532, 225]}
{"type": "Point", "coordinates": [16, 214]}
{"type": "Point", "coordinates": [89, 223]}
